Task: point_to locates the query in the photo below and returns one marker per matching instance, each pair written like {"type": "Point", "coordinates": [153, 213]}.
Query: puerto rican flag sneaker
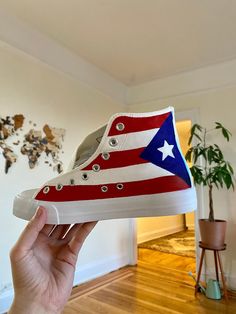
{"type": "Point", "coordinates": [132, 167]}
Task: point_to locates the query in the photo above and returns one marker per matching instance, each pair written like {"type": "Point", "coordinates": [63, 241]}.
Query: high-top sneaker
{"type": "Point", "coordinates": [132, 167]}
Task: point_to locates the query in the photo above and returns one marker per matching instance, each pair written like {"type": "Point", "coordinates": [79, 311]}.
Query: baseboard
{"type": "Point", "coordinates": [150, 235]}
{"type": "Point", "coordinates": [191, 226]}
{"type": "Point", "coordinates": [99, 268]}
{"type": "Point", "coordinates": [83, 274]}
{"type": "Point", "coordinates": [6, 299]}
{"type": "Point", "coordinates": [230, 280]}
{"type": "Point", "coordinates": [102, 281]}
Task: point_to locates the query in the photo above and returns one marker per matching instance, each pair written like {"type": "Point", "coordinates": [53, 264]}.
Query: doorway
{"type": "Point", "coordinates": [170, 240]}
{"type": "Point", "coordinates": [193, 116]}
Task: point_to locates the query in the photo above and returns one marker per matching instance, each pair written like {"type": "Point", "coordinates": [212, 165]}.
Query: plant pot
{"type": "Point", "coordinates": [212, 232]}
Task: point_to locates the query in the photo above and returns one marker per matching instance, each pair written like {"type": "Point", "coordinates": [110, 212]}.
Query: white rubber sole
{"type": "Point", "coordinates": [164, 204]}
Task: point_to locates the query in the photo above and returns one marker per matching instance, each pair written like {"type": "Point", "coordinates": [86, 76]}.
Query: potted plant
{"type": "Point", "coordinates": [215, 171]}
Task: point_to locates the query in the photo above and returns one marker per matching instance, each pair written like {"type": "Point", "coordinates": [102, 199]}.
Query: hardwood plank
{"type": "Point", "coordinates": [167, 260]}
{"type": "Point", "coordinates": [125, 302]}
{"type": "Point", "coordinates": [88, 305]}
{"type": "Point", "coordinates": [176, 289]}
{"type": "Point", "coordinates": [157, 300]}
{"type": "Point", "coordinates": [161, 269]}
{"type": "Point", "coordinates": [97, 283]}
{"type": "Point", "coordinates": [159, 284]}
{"type": "Point", "coordinates": [168, 298]}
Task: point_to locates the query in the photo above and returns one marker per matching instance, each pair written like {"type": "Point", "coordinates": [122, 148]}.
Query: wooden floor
{"type": "Point", "coordinates": [159, 284]}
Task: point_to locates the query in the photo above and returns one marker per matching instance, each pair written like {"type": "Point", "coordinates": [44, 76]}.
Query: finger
{"type": "Point", "coordinates": [80, 236]}
{"type": "Point", "coordinates": [59, 231]}
{"type": "Point", "coordinates": [30, 234]}
{"type": "Point", "coordinates": [73, 230]}
{"type": "Point", "coordinates": [70, 252]}
{"type": "Point", "coordinates": [47, 229]}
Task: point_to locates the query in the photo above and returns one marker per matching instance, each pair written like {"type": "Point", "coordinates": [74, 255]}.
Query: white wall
{"type": "Point", "coordinates": [45, 96]}
{"type": "Point", "coordinates": [215, 100]}
{"type": "Point", "coordinates": [155, 227]}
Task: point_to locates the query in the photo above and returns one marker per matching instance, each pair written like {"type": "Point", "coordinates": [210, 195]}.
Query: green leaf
{"type": "Point", "coordinates": [193, 133]}
{"type": "Point", "coordinates": [202, 152]}
{"type": "Point", "coordinates": [231, 170]}
{"type": "Point", "coordinates": [197, 174]}
{"type": "Point", "coordinates": [188, 155]}
{"type": "Point", "coordinates": [218, 125]}
{"type": "Point", "coordinates": [210, 154]}
{"type": "Point", "coordinates": [195, 154]}
{"type": "Point", "coordinates": [227, 180]}
{"type": "Point", "coordinates": [226, 133]}
{"type": "Point", "coordinates": [219, 152]}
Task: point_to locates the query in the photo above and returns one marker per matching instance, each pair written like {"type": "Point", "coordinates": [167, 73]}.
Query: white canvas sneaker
{"type": "Point", "coordinates": [132, 167]}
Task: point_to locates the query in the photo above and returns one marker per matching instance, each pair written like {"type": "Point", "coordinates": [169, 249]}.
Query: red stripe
{"type": "Point", "coordinates": [119, 159]}
{"type": "Point", "coordinates": [92, 192]}
{"type": "Point", "coordinates": [137, 124]}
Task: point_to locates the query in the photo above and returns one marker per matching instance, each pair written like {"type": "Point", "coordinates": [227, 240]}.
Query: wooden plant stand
{"type": "Point", "coordinates": [217, 260]}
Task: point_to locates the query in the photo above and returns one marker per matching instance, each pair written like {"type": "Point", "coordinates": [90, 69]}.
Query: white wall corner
{"type": "Point", "coordinates": [133, 235]}
{"type": "Point", "coordinates": [23, 38]}
{"type": "Point", "coordinates": [201, 80]}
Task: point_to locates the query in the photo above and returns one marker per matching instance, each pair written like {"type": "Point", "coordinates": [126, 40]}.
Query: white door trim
{"type": "Point", "coordinates": [192, 115]}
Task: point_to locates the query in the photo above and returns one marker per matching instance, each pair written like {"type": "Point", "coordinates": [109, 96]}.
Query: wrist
{"type": "Point", "coordinates": [27, 307]}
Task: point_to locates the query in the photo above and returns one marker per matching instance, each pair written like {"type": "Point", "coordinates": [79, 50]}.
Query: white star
{"type": "Point", "coordinates": [166, 150]}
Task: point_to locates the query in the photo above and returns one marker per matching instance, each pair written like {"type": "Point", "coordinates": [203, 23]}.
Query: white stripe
{"type": "Point", "coordinates": [125, 142]}
{"type": "Point", "coordinates": [131, 140]}
{"type": "Point", "coordinates": [115, 175]}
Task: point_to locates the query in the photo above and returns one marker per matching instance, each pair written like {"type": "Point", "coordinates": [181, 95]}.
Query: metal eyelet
{"type": "Point", "coordinates": [104, 188]}
{"type": "Point", "coordinates": [59, 187]}
{"type": "Point", "coordinates": [105, 156]}
{"type": "Point", "coordinates": [72, 182]}
{"type": "Point", "coordinates": [120, 126]}
{"type": "Point", "coordinates": [113, 142]}
{"type": "Point", "coordinates": [46, 189]}
{"type": "Point", "coordinates": [85, 176]}
{"type": "Point", "coordinates": [119, 186]}
{"type": "Point", "coordinates": [96, 167]}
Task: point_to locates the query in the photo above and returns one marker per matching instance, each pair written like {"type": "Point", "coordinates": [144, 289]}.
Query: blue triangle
{"type": "Point", "coordinates": [177, 164]}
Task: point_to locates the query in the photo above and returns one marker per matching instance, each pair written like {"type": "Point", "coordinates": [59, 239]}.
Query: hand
{"type": "Point", "coordinates": [43, 264]}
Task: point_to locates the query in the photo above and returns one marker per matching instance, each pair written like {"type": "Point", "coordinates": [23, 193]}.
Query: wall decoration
{"type": "Point", "coordinates": [35, 144]}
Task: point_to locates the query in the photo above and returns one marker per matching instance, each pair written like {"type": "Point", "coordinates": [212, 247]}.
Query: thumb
{"type": "Point", "coordinates": [29, 234]}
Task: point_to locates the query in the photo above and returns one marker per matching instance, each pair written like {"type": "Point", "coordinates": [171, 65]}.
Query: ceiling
{"type": "Point", "coordinates": [137, 41]}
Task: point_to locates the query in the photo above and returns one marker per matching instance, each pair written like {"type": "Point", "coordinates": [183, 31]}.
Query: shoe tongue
{"type": "Point", "coordinates": [84, 155]}
{"type": "Point", "coordinates": [88, 147]}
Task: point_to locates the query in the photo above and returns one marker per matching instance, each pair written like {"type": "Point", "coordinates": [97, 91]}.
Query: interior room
{"type": "Point", "coordinates": [72, 68]}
